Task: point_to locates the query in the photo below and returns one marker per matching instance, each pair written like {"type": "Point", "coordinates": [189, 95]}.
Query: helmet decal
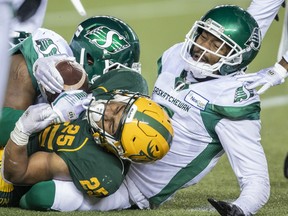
{"type": "Point", "coordinates": [255, 39]}
{"type": "Point", "coordinates": [242, 94]}
{"type": "Point", "coordinates": [108, 39]}
{"type": "Point", "coordinates": [47, 47]}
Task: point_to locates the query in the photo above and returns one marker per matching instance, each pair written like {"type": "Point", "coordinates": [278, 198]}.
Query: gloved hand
{"type": "Point", "coordinates": [68, 105]}
{"type": "Point", "coordinates": [35, 118]}
{"type": "Point", "coordinates": [267, 77]}
{"type": "Point", "coordinates": [46, 74]}
{"type": "Point", "coordinates": [225, 208]}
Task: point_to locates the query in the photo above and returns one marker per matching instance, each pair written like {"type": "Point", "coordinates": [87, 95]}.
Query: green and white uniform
{"type": "Point", "coordinates": [41, 43]}
{"type": "Point", "coordinates": [209, 118]}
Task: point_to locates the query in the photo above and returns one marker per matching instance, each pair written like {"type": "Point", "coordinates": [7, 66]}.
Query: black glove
{"type": "Point", "coordinates": [27, 9]}
{"type": "Point", "coordinates": [286, 167]}
{"type": "Point", "coordinates": [225, 208]}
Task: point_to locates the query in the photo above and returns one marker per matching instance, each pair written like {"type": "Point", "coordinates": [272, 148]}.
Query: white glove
{"type": "Point", "coordinates": [266, 78]}
{"type": "Point", "coordinates": [34, 119]}
{"type": "Point", "coordinates": [46, 74]}
{"type": "Point", "coordinates": [68, 105]}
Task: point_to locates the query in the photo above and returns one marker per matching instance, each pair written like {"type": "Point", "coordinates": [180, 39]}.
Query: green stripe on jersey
{"type": "Point", "coordinates": [187, 173]}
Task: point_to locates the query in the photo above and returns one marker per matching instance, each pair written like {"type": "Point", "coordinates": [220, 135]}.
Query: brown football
{"type": "Point", "coordinates": [74, 77]}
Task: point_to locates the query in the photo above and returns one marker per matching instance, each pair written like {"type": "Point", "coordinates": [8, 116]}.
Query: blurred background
{"type": "Point", "coordinates": [158, 23]}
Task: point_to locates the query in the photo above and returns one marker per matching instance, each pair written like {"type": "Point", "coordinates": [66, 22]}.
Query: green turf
{"type": "Point", "coordinates": [160, 24]}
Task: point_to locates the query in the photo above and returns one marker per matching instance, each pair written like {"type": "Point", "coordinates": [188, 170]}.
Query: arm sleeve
{"type": "Point", "coordinates": [241, 142]}
{"type": "Point", "coordinates": [264, 12]}
{"type": "Point", "coordinates": [7, 123]}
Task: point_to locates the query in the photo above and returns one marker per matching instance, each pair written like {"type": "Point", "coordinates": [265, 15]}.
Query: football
{"type": "Point", "coordinates": [74, 77]}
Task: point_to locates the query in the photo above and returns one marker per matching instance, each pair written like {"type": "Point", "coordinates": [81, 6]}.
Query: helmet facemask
{"type": "Point", "coordinates": [238, 42]}
{"type": "Point", "coordinates": [198, 66]}
{"type": "Point", "coordinates": [96, 114]}
{"type": "Point", "coordinates": [144, 131]}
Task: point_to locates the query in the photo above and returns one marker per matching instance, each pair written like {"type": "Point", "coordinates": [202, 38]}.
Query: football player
{"type": "Point", "coordinates": [212, 113]}
{"type": "Point", "coordinates": [97, 57]}
{"type": "Point", "coordinates": [95, 150]}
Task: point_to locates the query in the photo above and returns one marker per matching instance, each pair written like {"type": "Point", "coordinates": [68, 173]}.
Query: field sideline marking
{"type": "Point", "coordinates": [274, 102]}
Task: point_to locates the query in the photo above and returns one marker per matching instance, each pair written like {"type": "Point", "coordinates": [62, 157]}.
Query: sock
{"type": "Point", "coordinates": [40, 197]}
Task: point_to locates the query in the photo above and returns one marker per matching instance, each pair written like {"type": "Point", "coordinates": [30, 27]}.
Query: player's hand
{"type": "Point", "coordinates": [46, 73]}
{"type": "Point", "coordinates": [35, 118]}
{"type": "Point", "coordinates": [68, 105]}
{"type": "Point", "coordinates": [225, 208]}
{"type": "Point", "coordinates": [266, 78]}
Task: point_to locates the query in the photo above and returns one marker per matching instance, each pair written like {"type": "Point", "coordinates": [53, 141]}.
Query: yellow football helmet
{"type": "Point", "coordinates": [144, 133]}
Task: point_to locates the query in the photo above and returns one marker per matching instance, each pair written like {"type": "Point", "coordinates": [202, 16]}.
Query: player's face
{"type": "Point", "coordinates": [112, 116]}
{"type": "Point", "coordinates": [210, 42]}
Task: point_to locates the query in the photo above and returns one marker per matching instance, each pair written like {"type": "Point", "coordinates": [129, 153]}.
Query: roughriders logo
{"type": "Point", "coordinates": [254, 41]}
{"type": "Point", "coordinates": [242, 94]}
{"type": "Point", "coordinates": [107, 39]}
{"type": "Point", "coordinates": [47, 47]}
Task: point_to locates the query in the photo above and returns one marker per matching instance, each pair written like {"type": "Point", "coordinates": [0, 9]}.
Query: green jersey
{"type": "Point", "coordinates": [93, 170]}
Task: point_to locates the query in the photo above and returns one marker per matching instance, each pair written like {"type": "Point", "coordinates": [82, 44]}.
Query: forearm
{"type": "Point", "coordinates": [264, 12]}
{"type": "Point", "coordinates": [241, 142]}
{"type": "Point", "coordinates": [15, 162]}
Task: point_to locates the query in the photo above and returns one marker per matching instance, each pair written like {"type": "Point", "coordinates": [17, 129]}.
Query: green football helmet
{"type": "Point", "coordinates": [235, 28]}
{"type": "Point", "coordinates": [104, 42]}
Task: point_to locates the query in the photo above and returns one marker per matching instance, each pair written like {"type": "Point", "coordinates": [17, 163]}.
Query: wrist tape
{"type": "Point", "coordinates": [18, 137]}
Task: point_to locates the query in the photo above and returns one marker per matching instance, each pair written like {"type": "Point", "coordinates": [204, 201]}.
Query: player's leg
{"type": "Point", "coordinates": [52, 195]}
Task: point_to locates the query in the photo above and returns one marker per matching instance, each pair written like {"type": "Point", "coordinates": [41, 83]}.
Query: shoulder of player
{"type": "Point", "coordinates": [232, 99]}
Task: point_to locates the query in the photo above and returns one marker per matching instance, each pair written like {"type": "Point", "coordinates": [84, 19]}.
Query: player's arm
{"type": "Point", "coordinates": [19, 95]}
{"type": "Point", "coordinates": [264, 12]}
{"type": "Point", "coordinates": [16, 162]}
{"type": "Point", "coordinates": [41, 166]}
{"type": "Point", "coordinates": [267, 77]}
{"type": "Point", "coordinates": [241, 142]}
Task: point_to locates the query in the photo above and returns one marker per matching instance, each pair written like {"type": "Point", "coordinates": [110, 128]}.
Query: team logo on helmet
{"type": "Point", "coordinates": [47, 47]}
{"type": "Point", "coordinates": [255, 39]}
{"type": "Point", "coordinates": [108, 39]}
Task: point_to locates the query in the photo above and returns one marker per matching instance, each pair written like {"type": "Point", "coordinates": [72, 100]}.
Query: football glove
{"type": "Point", "coordinates": [286, 167]}
{"type": "Point", "coordinates": [266, 78]}
{"type": "Point", "coordinates": [225, 208]}
{"type": "Point", "coordinates": [46, 74]}
{"type": "Point", "coordinates": [68, 105]}
{"type": "Point", "coordinates": [35, 118]}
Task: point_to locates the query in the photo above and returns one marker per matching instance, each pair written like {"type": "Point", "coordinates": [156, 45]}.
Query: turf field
{"type": "Point", "coordinates": [160, 24]}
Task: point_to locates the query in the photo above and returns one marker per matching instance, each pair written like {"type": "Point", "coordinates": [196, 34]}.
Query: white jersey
{"type": "Point", "coordinates": [264, 12]}
{"type": "Point", "coordinates": [209, 118]}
